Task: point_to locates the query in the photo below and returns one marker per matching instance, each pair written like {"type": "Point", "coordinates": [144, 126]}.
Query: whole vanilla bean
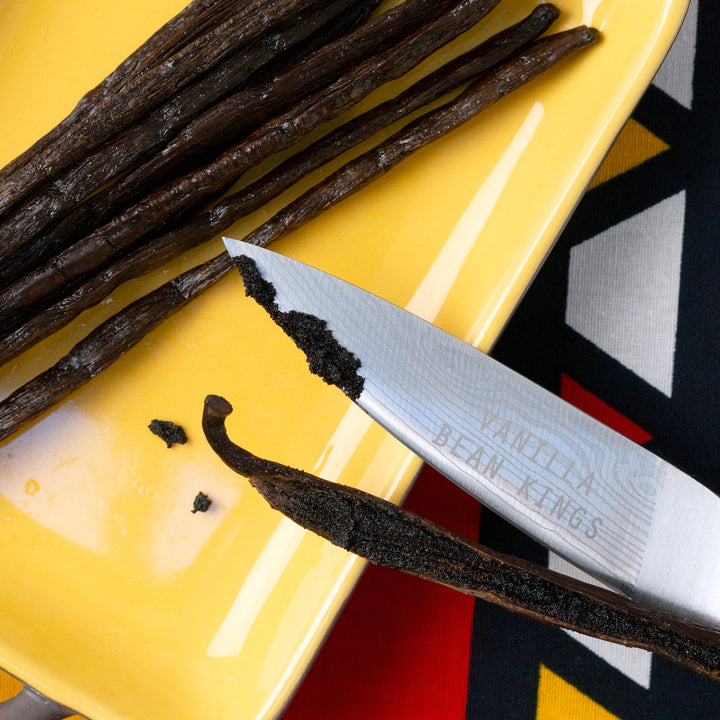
{"type": "Point", "coordinates": [251, 108]}
{"type": "Point", "coordinates": [140, 142]}
{"type": "Point", "coordinates": [89, 254]}
{"type": "Point", "coordinates": [118, 334]}
{"type": "Point", "coordinates": [198, 17]}
{"type": "Point", "coordinates": [388, 535]}
{"type": "Point", "coordinates": [145, 91]}
{"type": "Point", "coordinates": [247, 109]}
{"type": "Point", "coordinates": [106, 344]}
{"type": "Point", "coordinates": [227, 211]}
{"type": "Point", "coordinates": [357, 173]}
{"type": "Point", "coordinates": [218, 128]}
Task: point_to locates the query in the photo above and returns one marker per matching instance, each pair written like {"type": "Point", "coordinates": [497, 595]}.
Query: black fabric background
{"type": "Point", "coordinates": [507, 651]}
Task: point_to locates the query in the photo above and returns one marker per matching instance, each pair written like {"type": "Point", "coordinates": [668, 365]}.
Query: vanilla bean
{"type": "Point", "coordinates": [104, 345]}
{"type": "Point", "coordinates": [100, 247]}
{"type": "Point", "coordinates": [245, 110]}
{"type": "Point", "coordinates": [229, 210]}
{"type": "Point", "coordinates": [145, 91]}
{"type": "Point", "coordinates": [388, 535]}
{"type": "Point", "coordinates": [192, 23]}
{"type": "Point", "coordinates": [369, 166]}
{"type": "Point", "coordinates": [140, 142]}
{"type": "Point", "coordinates": [199, 14]}
{"type": "Point", "coordinates": [240, 113]}
{"type": "Point", "coordinates": [196, 18]}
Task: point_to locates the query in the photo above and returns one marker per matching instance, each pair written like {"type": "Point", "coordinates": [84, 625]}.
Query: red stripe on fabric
{"type": "Point", "coordinates": [401, 647]}
{"type": "Point", "coordinates": [584, 400]}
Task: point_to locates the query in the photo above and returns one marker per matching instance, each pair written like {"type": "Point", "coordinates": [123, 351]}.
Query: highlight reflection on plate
{"type": "Point", "coordinates": [110, 581]}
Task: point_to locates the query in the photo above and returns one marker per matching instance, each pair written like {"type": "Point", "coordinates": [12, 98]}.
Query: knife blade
{"type": "Point", "coordinates": [605, 504]}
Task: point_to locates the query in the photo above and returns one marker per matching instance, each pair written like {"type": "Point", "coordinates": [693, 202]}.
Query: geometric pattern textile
{"type": "Point", "coordinates": [626, 309]}
{"type": "Point", "coordinates": [557, 700]}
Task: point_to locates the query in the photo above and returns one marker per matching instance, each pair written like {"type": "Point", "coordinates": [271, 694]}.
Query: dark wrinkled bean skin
{"type": "Point", "coordinates": [388, 535]}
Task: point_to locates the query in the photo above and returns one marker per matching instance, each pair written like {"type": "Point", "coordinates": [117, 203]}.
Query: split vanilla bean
{"type": "Point", "coordinates": [145, 91]}
{"type": "Point", "coordinates": [388, 535]}
{"type": "Point", "coordinates": [227, 211]}
{"type": "Point", "coordinates": [40, 212]}
{"type": "Point", "coordinates": [118, 334]}
{"type": "Point", "coordinates": [101, 246]}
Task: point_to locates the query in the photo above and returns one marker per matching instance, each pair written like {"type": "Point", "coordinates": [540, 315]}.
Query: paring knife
{"type": "Point", "coordinates": [605, 504]}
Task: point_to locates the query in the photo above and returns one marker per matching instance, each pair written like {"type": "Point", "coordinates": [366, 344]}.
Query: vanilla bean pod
{"type": "Point", "coordinates": [191, 24]}
{"type": "Point", "coordinates": [145, 91]}
{"type": "Point", "coordinates": [197, 17]}
{"type": "Point", "coordinates": [43, 210]}
{"type": "Point", "coordinates": [228, 210]}
{"type": "Point", "coordinates": [118, 334]}
{"type": "Point", "coordinates": [100, 247]}
{"type": "Point", "coordinates": [388, 535]}
{"type": "Point", "coordinates": [374, 163]}
{"type": "Point", "coordinates": [247, 109]}
{"type": "Point", "coordinates": [158, 47]}
{"type": "Point", "coordinates": [101, 348]}
{"type": "Point", "coordinates": [239, 114]}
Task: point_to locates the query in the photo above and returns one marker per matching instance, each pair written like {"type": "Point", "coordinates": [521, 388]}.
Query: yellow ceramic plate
{"type": "Point", "coordinates": [118, 601]}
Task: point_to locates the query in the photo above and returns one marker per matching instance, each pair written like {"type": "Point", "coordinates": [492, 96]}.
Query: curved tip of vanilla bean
{"type": "Point", "coordinates": [590, 34]}
{"type": "Point", "coordinates": [547, 11]}
{"type": "Point", "coordinates": [216, 409]}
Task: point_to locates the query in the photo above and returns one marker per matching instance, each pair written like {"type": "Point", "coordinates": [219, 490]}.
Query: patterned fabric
{"type": "Point", "coordinates": [623, 321]}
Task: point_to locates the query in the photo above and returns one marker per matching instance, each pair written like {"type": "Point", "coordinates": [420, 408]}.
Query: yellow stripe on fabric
{"type": "Point", "coordinates": [635, 145]}
{"type": "Point", "coordinates": [9, 686]}
{"type": "Point", "coordinates": [559, 700]}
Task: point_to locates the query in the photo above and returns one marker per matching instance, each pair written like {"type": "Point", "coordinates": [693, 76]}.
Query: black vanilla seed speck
{"type": "Point", "coordinates": [168, 431]}
{"type": "Point", "coordinates": [201, 503]}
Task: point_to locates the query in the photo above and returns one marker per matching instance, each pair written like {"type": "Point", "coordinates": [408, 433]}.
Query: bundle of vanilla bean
{"type": "Point", "coordinates": [143, 169]}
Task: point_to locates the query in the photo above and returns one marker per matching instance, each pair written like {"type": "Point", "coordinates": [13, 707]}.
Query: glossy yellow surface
{"type": "Point", "coordinates": [116, 599]}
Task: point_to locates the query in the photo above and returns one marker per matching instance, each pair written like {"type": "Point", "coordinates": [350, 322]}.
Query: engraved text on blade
{"type": "Point", "coordinates": [552, 478]}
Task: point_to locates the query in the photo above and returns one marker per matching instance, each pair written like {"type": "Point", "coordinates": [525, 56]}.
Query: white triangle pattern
{"type": "Point", "coordinates": [675, 76]}
{"type": "Point", "coordinates": [635, 663]}
{"type": "Point", "coordinates": [623, 290]}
